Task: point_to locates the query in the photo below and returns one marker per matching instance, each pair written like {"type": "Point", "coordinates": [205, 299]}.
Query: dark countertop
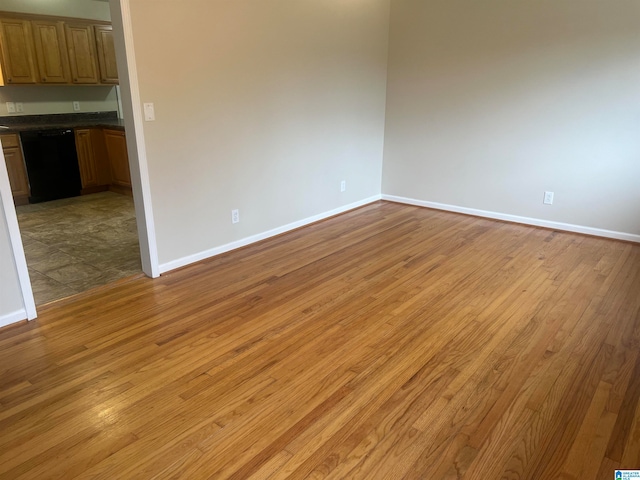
{"type": "Point", "coordinates": [24, 123]}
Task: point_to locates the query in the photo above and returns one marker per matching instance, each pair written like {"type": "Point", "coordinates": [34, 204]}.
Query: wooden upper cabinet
{"type": "Point", "coordinates": [51, 51]}
{"type": "Point", "coordinates": [82, 53]}
{"type": "Point", "coordinates": [38, 49]}
{"type": "Point", "coordinates": [106, 54]}
{"type": "Point", "coordinates": [18, 51]}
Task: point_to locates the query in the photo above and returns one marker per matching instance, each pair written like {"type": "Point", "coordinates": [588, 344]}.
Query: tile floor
{"type": "Point", "coordinates": [79, 243]}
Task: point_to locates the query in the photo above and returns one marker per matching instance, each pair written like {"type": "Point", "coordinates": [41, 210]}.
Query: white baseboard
{"type": "Point", "coordinates": [181, 262]}
{"type": "Point", "coordinates": [13, 317]}
{"type": "Point", "coordinates": [598, 232]}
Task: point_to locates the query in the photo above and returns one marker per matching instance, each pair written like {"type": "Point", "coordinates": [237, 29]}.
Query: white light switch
{"type": "Point", "coordinates": [149, 112]}
{"type": "Point", "coordinates": [11, 107]}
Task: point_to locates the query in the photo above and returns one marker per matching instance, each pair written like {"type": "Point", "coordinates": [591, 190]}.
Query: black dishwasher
{"type": "Point", "coordinates": [52, 164]}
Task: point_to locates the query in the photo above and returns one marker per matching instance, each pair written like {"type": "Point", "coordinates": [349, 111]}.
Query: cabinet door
{"type": "Point", "coordinates": [51, 51]}
{"type": "Point", "coordinates": [106, 54]}
{"type": "Point", "coordinates": [17, 173]}
{"type": "Point", "coordinates": [118, 158]}
{"type": "Point", "coordinates": [18, 51]}
{"type": "Point", "coordinates": [82, 53]}
{"type": "Point", "coordinates": [86, 159]}
{"type": "Point", "coordinates": [92, 159]}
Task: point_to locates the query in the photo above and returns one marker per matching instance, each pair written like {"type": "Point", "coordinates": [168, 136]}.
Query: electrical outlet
{"type": "Point", "coordinates": [343, 185]}
{"type": "Point", "coordinates": [11, 107]}
{"type": "Point", "coordinates": [76, 106]}
{"type": "Point", "coordinates": [19, 107]}
{"type": "Point", "coordinates": [235, 216]}
{"type": "Point", "coordinates": [548, 198]}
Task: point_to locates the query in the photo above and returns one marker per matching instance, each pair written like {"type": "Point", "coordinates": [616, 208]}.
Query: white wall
{"type": "Point", "coordinates": [92, 9]}
{"type": "Point", "coordinates": [58, 99]}
{"type": "Point", "coordinates": [261, 106]}
{"type": "Point", "coordinates": [491, 103]}
{"type": "Point", "coordinates": [10, 293]}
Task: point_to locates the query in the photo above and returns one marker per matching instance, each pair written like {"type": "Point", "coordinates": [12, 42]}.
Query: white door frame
{"type": "Point", "coordinates": [16, 242]}
{"type": "Point", "coordinates": [131, 105]}
{"type": "Point", "coordinates": [136, 147]}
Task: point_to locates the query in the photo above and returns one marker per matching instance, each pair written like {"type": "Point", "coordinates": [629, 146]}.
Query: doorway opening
{"type": "Point", "coordinates": [82, 241]}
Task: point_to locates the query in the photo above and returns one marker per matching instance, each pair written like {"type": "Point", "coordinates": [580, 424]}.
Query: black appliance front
{"type": "Point", "coordinates": [52, 164]}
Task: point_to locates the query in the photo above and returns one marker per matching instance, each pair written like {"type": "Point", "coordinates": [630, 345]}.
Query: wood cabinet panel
{"type": "Point", "coordinates": [18, 51]}
{"type": "Point", "coordinates": [92, 159]}
{"type": "Point", "coordinates": [40, 49]}
{"type": "Point", "coordinates": [82, 53]}
{"type": "Point", "coordinates": [86, 159]}
{"type": "Point", "coordinates": [51, 51]}
{"type": "Point", "coordinates": [106, 54]}
{"type": "Point", "coordinates": [116, 144]}
{"type": "Point", "coordinates": [9, 140]}
{"type": "Point", "coordinates": [101, 157]}
{"type": "Point", "coordinates": [15, 168]}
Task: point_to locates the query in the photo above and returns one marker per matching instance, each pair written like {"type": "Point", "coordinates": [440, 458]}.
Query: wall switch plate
{"type": "Point", "coordinates": [76, 106]}
{"type": "Point", "coordinates": [235, 216]}
{"type": "Point", "coordinates": [11, 107]}
{"type": "Point", "coordinates": [343, 185]}
{"type": "Point", "coordinates": [149, 112]}
{"type": "Point", "coordinates": [548, 198]}
{"type": "Point", "coordinates": [19, 107]}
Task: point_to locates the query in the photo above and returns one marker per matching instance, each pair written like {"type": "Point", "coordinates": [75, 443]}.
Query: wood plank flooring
{"type": "Point", "coordinates": [389, 342]}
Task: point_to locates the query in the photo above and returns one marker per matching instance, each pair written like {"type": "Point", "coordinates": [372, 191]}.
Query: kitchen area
{"type": "Point", "coordinates": [64, 145]}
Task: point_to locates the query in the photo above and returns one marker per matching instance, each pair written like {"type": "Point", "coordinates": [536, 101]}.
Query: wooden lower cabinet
{"type": "Point", "coordinates": [116, 143]}
{"type": "Point", "coordinates": [102, 158]}
{"type": "Point", "coordinates": [16, 168]}
{"type": "Point", "coordinates": [93, 160]}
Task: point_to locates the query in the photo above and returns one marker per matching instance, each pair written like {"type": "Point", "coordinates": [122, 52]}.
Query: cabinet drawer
{"type": "Point", "coordinates": [9, 140]}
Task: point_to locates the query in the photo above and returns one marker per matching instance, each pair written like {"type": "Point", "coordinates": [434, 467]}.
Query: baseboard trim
{"type": "Point", "coordinates": [120, 190]}
{"type": "Point", "coordinates": [568, 227]}
{"type": "Point", "coordinates": [13, 317]}
{"type": "Point", "coordinates": [184, 261]}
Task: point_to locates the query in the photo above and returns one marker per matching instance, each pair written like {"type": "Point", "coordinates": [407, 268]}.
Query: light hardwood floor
{"type": "Point", "coordinates": [389, 342]}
